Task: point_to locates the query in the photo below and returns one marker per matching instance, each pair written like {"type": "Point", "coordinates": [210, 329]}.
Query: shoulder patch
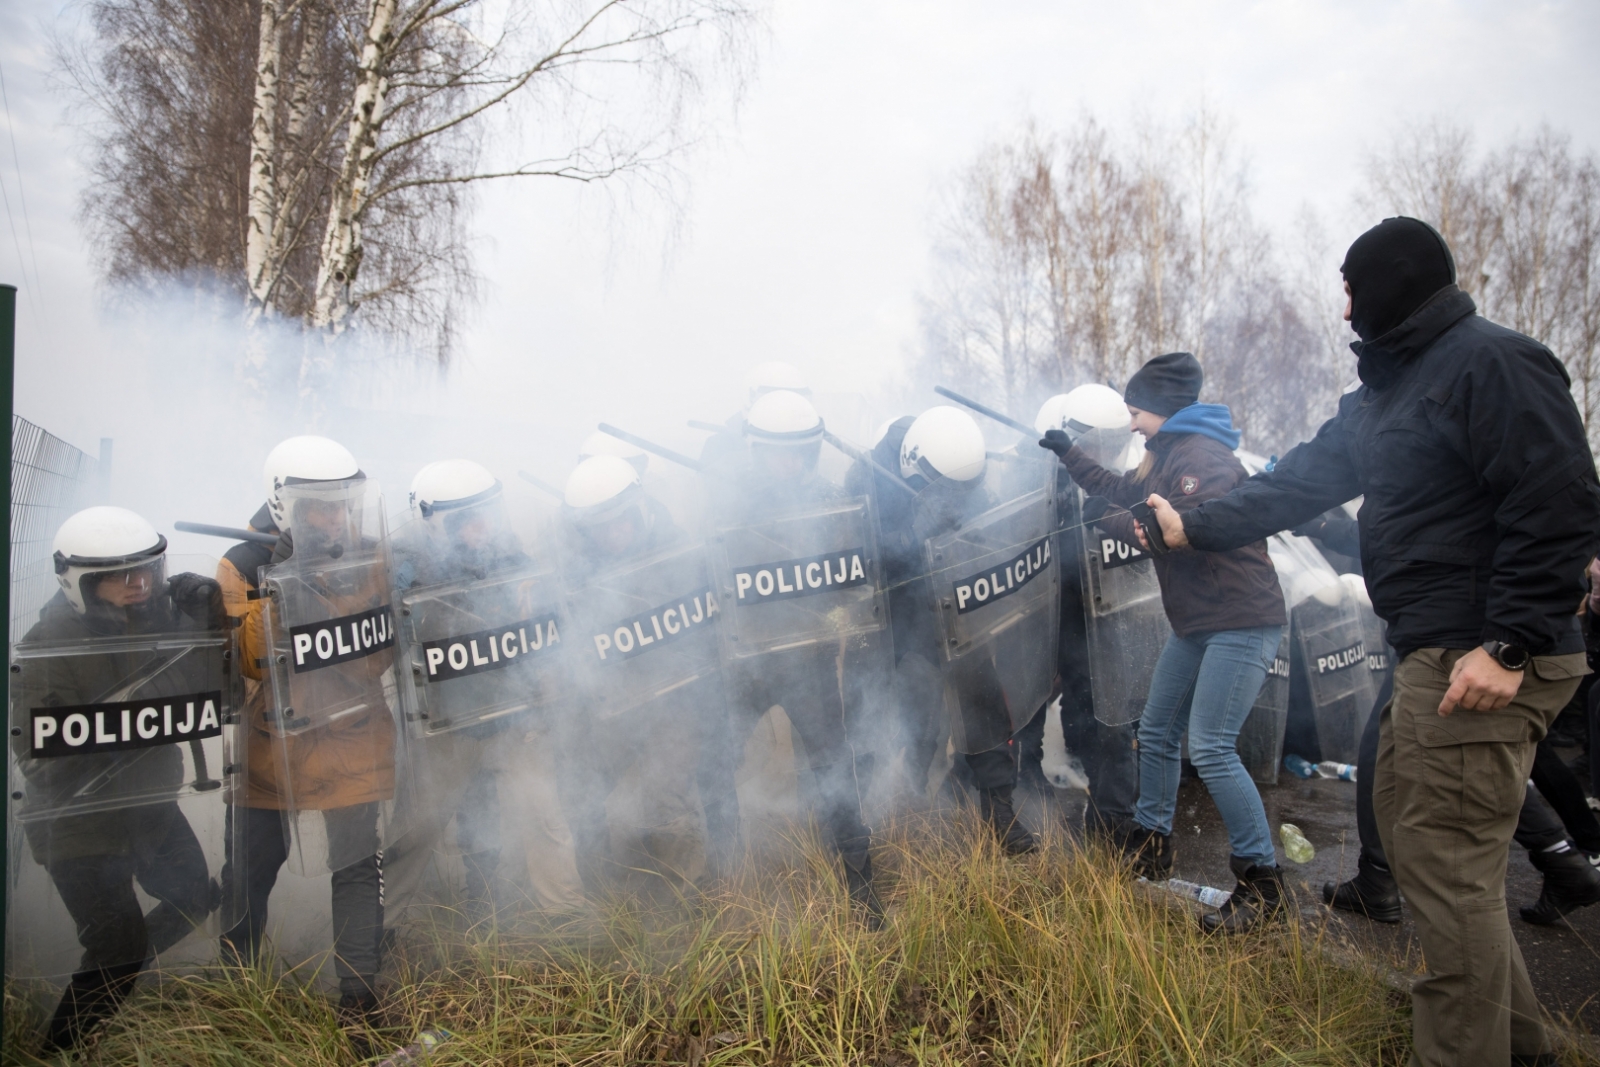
{"type": "Point", "coordinates": [1188, 483]}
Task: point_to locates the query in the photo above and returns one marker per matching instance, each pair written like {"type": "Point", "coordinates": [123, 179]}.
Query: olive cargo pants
{"type": "Point", "coordinates": [1447, 793]}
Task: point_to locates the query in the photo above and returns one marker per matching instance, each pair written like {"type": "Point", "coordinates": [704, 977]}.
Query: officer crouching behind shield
{"type": "Point", "coordinates": [317, 740]}
{"type": "Point", "coordinates": [794, 554]}
{"type": "Point", "coordinates": [994, 686]}
{"type": "Point", "coordinates": [100, 808]}
{"type": "Point", "coordinates": [480, 635]}
{"type": "Point", "coordinates": [644, 702]}
{"type": "Point", "coordinates": [1227, 615]}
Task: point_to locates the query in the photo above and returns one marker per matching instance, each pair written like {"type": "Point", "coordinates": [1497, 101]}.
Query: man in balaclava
{"type": "Point", "coordinates": [1481, 511]}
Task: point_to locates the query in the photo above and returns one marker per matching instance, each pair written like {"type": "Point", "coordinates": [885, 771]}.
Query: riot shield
{"type": "Point", "coordinates": [1328, 646]}
{"type": "Point", "coordinates": [799, 580]}
{"type": "Point", "coordinates": [1260, 742]}
{"type": "Point", "coordinates": [996, 587]}
{"type": "Point", "coordinates": [116, 781]}
{"type": "Point", "coordinates": [1380, 657]}
{"type": "Point", "coordinates": [480, 650]}
{"type": "Point", "coordinates": [335, 705]}
{"type": "Point", "coordinates": [644, 630]}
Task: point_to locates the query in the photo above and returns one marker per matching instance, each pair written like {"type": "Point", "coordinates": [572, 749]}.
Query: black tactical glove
{"type": "Point", "coordinates": [1095, 508]}
{"type": "Point", "coordinates": [198, 597]}
{"type": "Point", "coordinates": [1056, 441]}
{"type": "Point", "coordinates": [1315, 528]}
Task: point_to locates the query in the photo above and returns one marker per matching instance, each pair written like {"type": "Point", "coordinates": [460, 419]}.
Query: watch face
{"type": "Point", "coordinates": [1512, 657]}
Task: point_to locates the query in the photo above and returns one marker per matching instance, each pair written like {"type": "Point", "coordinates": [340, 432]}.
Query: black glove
{"type": "Point", "coordinates": [198, 597]}
{"type": "Point", "coordinates": [1315, 528]}
{"type": "Point", "coordinates": [1056, 441]}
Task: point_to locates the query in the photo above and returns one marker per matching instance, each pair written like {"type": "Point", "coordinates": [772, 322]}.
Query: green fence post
{"type": "Point", "coordinates": [8, 331]}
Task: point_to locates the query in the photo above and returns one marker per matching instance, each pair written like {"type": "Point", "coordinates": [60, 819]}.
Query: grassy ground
{"type": "Point", "coordinates": [1045, 960]}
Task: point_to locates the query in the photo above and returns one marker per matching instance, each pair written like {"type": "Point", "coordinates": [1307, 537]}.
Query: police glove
{"type": "Point", "coordinates": [1056, 441]}
{"type": "Point", "coordinates": [198, 597]}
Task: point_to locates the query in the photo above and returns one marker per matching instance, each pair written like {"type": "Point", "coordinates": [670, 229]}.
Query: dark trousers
{"type": "Point", "coordinates": [258, 847]}
{"type": "Point", "coordinates": [1557, 812]}
{"type": "Point", "coordinates": [805, 683]}
{"type": "Point", "coordinates": [163, 855]}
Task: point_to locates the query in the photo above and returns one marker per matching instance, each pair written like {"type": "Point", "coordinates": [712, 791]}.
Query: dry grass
{"type": "Point", "coordinates": [1046, 960]}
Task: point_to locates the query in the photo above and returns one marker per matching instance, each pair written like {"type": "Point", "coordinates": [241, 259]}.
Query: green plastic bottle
{"type": "Point", "coordinates": [1295, 845]}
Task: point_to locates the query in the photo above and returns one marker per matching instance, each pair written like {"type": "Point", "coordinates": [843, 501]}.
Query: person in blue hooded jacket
{"type": "Point", "coordinates": [1227, 615]}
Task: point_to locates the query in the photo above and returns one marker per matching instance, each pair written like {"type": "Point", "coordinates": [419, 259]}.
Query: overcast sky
{"type": "Point", "coordinates": [807, 235]}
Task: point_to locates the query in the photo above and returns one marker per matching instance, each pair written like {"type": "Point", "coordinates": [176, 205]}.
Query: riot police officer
{"type": "Point", "coordinates": [100, 811]}
{"type": "Point", "coordinates": [943, 457]}
{"type": "Point", "coordinates": [645, 704]}
{"type": "Point", "coordinates": [336, 761]}
{"type": "Point", "coordinates": [463, 580]}
{"type": "Point", "coordinates": [803, 614]}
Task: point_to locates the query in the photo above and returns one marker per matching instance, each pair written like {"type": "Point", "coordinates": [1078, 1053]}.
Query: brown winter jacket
{"type": "Point", "coordinates": [337, 765]}
{"type": "Point", "coordinates": [1202, 592]}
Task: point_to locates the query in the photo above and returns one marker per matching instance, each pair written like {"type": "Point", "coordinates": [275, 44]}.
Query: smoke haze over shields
{"type": "Point", "coordinates": [804, 236]}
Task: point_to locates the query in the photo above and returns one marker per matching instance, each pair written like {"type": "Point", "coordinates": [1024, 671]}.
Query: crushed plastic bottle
{"type": "Point", "coordinates": [1295, 845]}
{"type": "Point", "coordinates": [1210, 896]}
{"type": "Point", "coordinates": [1299, 766]}
{"type": "Point", "coordinates": [1330, 769]}
{"type": "Point", "coordinates": [419, 1051]}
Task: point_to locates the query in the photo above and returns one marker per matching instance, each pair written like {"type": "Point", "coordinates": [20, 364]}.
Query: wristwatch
{"type": "Point", "coordinates": [1511, 657]}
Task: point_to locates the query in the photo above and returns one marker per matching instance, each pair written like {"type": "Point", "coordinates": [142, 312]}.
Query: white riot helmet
{"type": "Point", "coordinates": [601, 443]}
{"type": "Point", "coordinates": [943, 442]}
{"type": "Point", "coordinates": [451, 485]}
{"type": "Point", "coordinates": [1088, 407]}
{"type": "Point", "coordinates": [601, 488]}
{"type": "Point", "coordinates": [99, 542]}
{"type": "Point", "coordinates": [305, 459]}
{"type": "Point", "coordinates": [785, 434]}
{"type": "Point", "coordinates": [768, 377]}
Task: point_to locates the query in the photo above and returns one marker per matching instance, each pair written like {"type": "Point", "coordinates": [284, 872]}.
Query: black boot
{"type": "Point", "coordinates": [357, 1012]}
{"type": "Point", "coordinates": [1372, 893]}
{"type": "Point", "coordinates": [90, 998]}
{"type": "Point", "coordinates": [858, 880]}
{"type": "Point", "coordinates": [1148, 853]}
{"type": "Point", "coordinates": [1259, 897]}
{"type": "Point", "coordinates": [998, 812]}
{"type": "Point", "coordinates": [1570, 882]}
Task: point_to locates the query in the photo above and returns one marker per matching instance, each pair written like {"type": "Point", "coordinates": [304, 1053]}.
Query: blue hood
{"type": "Point", "coordinates": [1213, 420]}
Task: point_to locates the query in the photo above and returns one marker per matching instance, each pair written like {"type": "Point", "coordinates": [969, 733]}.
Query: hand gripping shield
{"type": "Point", "coordinates": [1328, 642]}
{"type": "Point", "coordinates": [481, 650]}
{"type": "Point", "coordinates": [996, 588]}
{"type": "Point", "coordinates": [334, 707]}
{"type": "Point", "coordinates": [644, 630]}
{"type": "Point", "coordinates": [1124, 620]}
{"type": "Point", "coordinates": [115, 776]}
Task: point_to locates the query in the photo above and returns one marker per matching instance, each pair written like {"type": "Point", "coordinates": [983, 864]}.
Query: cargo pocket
{"type": "Point", "coordinates": [1473, 764]}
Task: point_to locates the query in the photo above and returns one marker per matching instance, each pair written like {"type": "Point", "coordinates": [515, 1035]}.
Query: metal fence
{"type": "Point", "coordinates": [50, 480]}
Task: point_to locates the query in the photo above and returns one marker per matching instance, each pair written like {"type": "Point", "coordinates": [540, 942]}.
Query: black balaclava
{"type": "Point", "coordinates": [1392, 270]}
{"type": "Point", "coordinates": [1165, 384]}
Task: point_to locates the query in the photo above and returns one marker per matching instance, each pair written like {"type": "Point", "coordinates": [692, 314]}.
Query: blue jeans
{"type": "Point", "coordinates": [1206, 684]}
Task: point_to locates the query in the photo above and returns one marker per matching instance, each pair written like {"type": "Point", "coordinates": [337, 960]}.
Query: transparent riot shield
{"type": "Point", "coordinates": [798, 580]}
{"type": "Point", "coordinates": [116, 782]}
{"type": "Point", "coordinates": [644, 630]}
{"type": "Point", "coordinates": [1261, 738]}
{"type": "Point", "coordinates": [481, 650]}
{"type": "Point", "coordinates": [335, 705]}
{"type": "Point", "coordinates": [996, 586]}
{"type": "Point", "coordinates": [1380, 657]}
{"type": "Point", "coordinates": [1328, 643]}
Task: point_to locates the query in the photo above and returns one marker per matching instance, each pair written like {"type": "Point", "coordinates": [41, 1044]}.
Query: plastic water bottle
{"type": "Point", "coordinates": [1299, 766]}
{"type": "Point", "coordinates": [1295, 845]}
{"type": "Point", "coordinates": [419, 1051]}
{"type": "Point", "coordinates": [1329, 769]}
{"type": "Point", "coordinates": [1210, 896]}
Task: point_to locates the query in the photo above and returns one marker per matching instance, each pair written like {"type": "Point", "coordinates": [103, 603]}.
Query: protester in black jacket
{"type": "Point", "coordinates": [1480, 512]}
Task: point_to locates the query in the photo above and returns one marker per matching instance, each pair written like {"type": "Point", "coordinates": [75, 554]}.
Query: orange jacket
{"type": "Point", "coordinates": [336, 765]}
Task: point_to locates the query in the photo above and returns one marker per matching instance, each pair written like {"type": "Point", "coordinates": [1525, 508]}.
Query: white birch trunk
{"type": "Point", "coordinates": [340, 256]}
{"type": "Point", "coordinates": [261, 223]}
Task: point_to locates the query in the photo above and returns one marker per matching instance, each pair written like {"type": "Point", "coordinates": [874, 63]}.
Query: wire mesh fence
{"type": "Point", "coordinates": [50, 479]}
